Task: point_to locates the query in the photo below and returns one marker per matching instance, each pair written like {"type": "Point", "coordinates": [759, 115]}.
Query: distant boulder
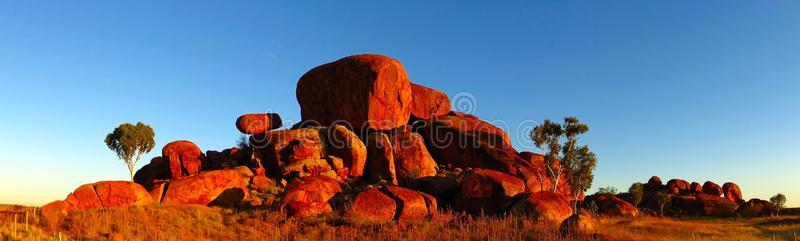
{"type": "Point", "coordinates": [695, 188]}
{"type": "Point", "coordinates": [612, 206]}
{"type": "Point", "coordinates": [732, 192]}
{"type": "Point", "coordinates": [712, 188]}
{"type": "Point", "coordinates": [677, 187]}
{"type": "Point", "coordinates": [654, 184]}
{"type": "Point", "coordinates": [756, 208]}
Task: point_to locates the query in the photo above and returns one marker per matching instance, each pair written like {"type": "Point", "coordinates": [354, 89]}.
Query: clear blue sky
{"type": "Point", "coordinates": [700, 90]}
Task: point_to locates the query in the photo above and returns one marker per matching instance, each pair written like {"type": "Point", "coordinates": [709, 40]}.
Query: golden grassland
{"type": "Point", "coordinates": [208, 223]}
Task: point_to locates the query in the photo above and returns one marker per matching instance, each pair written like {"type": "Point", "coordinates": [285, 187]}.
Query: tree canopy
{"type": "Point", "coordinates": [130, 141]}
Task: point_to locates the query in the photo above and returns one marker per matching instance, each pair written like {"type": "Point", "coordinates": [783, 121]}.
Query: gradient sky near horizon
{"type": "Point", "coordinates": [698, 90]}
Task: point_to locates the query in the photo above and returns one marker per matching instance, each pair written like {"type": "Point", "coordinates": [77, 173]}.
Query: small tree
{"type": "Point", "coordinates": [130, 142]}
{"type": "Point", "coordinates": [577, 163]}
{"type": "Point", "coordinates": [607, 191]}
{"type": "Point", "coordinates": [636, 192]}
{"type": "Point", "coordinates": [779, 201]}
{"type": "Point", "coordinates": [663, 200]}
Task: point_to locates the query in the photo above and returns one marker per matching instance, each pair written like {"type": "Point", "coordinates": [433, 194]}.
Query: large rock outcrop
{"type": "Point", "coordinates": [612, 206]}
{"type": "Point", "coordinates": [380, 159]}
{"type": "Point", "coordinates": [366, 91]}
{"type": "Point", "coordinates": [104, 194]}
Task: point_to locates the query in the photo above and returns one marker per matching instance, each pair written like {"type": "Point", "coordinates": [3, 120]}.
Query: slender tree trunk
{"type": "Point", "coordinates": [130, 169]}
{"type": "Point", "coordinates": [555, 183]}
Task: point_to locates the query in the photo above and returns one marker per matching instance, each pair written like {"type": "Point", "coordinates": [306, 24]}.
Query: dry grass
{"type": "Point", "coordinates": [656, 229]}
{"type": "Point", "coordinates": [204, 223]}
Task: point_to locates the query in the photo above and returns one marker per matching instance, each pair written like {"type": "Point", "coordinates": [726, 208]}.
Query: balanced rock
{"type": "Point", "coordinates": [411, 157]}
{"type": "Point", "coordinates": [258, 123]}
{"type": "Point", "coordinates": [428, 103]}
{"type": "Point", "coordinates": [543, 206]}
{"type": "Point", "coordinates": [732, 192]}
{"type": "Point", "coordinates": [184, 158]}
{"type": "Point", "coordinates": [485, 190]}
{"type": "Point", "coordinates": [712, 188]}
{"type": "Point", "coordinates": [309, 196]}
{"type": "Point", "coordinates": [217, 188]}
{"type": "Point", "coordinates": [366, 91]}
{"type": "Point", "coordinates": [392, 203]}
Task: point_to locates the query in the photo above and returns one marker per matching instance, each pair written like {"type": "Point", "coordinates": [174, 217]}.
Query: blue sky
{"type": "Point", "coordinates": [699, 90]}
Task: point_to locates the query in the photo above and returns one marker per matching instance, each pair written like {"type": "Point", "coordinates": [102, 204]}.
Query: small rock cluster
{"type": "Point", "coordinates": [371, 145]}
{"type": "Point", "coordinates": [708, 199]}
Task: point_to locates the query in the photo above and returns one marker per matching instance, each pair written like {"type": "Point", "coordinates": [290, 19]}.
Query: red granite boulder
{"type": "Point", "coordinates": [54, 212]}
{"type": "Point", "coordinates": [677, 187]}
{"type": "Point", "coordinates": [411, 157]}
{"type": "Point", "coordinates": [543, 206]}
{"type": "Point", "coordinates": [258, 123]}
{"type": "Point", "coordinates": [428, 103]}
{"type": "Point", "coordinates": [616, 207]}
{"type": "Point", "coordinates": [184, 158]}
{"type": "Point", "coordinates": [732, 192]}
{"type": "Point", "coordinates": [712, 188]}
{"type": "Point", "coordinates": [364, 91]}
{"type": "Point", "coordinates": [392, 203]}
{"type": "Point", "coordinates": [654, 184]}
{"type": "Point", "coordinates": [345, 144]}
{"type": "Point", "coordinates": [217, 188]}
{"type": "Point", "coordinates": [486, 191]}
{"type": "Point", "coordinates": [157, 169]}
{"type": "Point", "coordinates": [695, 188]}
{"type": "Point", "coordinates": [380, 159]}
{"type": "Point", "coordinates": [463, 141]}
{"type": "Point", "coordinates": [309, 196]}
{"type": "Point", "coordinates": [756, 208]}
{"type": "Point", "coordinates": [577, 225]}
